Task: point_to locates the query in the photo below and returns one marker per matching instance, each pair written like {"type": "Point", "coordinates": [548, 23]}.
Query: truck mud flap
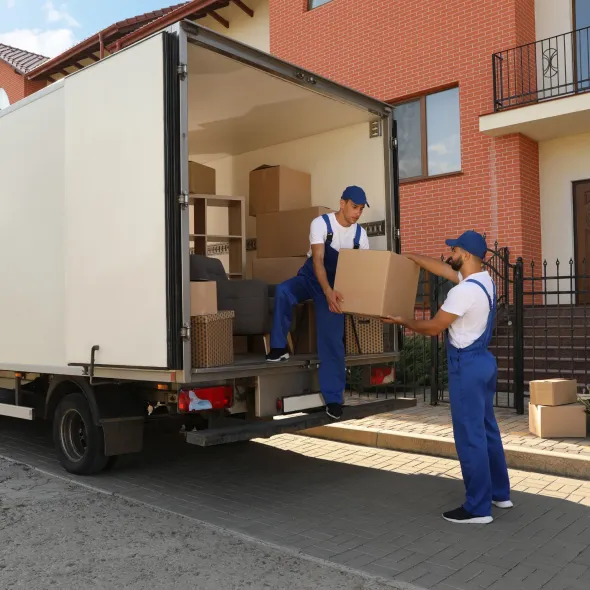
{"type": "Point", "coordinates": [266, 429]}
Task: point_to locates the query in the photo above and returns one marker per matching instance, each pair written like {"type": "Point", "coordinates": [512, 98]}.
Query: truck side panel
{"type": "Point", "coordinates": [32, 242]}
{"type": "Point", "coordinates": [115, 210]}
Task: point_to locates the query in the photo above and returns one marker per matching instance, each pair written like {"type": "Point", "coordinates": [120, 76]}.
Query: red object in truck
{"type": "Point", "coordinates": [382, 375]}
{"type": "Point", "coordinates": [207, 398]}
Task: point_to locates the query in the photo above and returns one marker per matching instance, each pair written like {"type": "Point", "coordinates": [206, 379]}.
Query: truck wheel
{"type": "Point", "coordinates": [78, 441]}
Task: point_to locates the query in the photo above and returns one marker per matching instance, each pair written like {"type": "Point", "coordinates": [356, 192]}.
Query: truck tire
{"type": "Point", "coordinates": [79, 442]}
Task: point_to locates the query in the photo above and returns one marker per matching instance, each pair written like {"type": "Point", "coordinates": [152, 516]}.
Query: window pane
{"type": "Point", "coordinates": [582, 10]}
{"type": "Point", "coordinates": [316, 3]}
{"type": "Point", "coordinates": [443, 132]}
{"type": "Point", "coordinates": [409, 139]}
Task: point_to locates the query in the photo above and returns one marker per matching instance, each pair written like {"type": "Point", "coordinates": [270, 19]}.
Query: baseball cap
{"type": "Point", "coordinates": [471, 242]}
{"type": "Point", "coordinates": [355, 194]}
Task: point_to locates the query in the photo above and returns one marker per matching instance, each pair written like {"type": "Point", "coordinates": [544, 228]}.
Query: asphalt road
{"type": "Point", "coordinates": [56, 534]}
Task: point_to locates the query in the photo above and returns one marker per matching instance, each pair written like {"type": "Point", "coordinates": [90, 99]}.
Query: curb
{"type": "Point", "coordinates": [551, 463]}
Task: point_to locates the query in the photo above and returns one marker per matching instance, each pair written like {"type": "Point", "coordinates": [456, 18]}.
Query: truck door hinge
{"type": "Point", "coordinates": [375, 129]}
{"type": "Point", "coordinates": [185, 332]}
{"type": "Point", "coordinates": [394, 143]}
{"type": "Point", "coordinates": [397, 233]}
{"type": "Point", "coordinates": [182, 71]}
{"type": "Point", "coordinates": [183, 199]}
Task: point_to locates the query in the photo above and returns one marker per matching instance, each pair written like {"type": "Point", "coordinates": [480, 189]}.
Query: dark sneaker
{"type": "Point", "coordinates": [277, 354]}
{"type": "Point", "coordinates": [461, 516]}
{"type": "Point", "coordinates": [503, 503]}
{"type": "Point", "coordinates": [334, 411]}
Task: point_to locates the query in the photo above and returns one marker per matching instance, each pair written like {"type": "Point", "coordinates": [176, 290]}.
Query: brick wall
{"type": "Point", "coordinates": [16, 86]}
{"type": "Point", "coordinates": [393, 49]}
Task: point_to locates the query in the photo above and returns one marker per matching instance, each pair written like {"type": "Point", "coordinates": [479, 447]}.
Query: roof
{"type": "Point", "coordinates": [19, 59]}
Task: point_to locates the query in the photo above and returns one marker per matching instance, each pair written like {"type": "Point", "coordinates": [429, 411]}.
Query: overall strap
{"type": "Point", "coordinates": [484, 290]}
{"type": "Point", "coordinates": [357, 237]}
{"type": "Point", "coordinates": [329, 226]}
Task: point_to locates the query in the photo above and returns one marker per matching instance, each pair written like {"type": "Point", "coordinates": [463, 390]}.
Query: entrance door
{"type": "Point", "coordinates": [582, 240]}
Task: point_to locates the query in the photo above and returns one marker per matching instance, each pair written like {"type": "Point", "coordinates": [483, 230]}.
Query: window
{"type": "Point", "coordinates": [4, 102]}
{"type": "Point", "coordinates": [311, 4]}
{"type": "Point", "coordinates": [581, 13]}
{"type": "Point", "coordinates": [429, 138]}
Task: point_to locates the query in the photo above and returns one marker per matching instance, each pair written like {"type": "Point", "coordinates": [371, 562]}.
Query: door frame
{"type": "Point", "coordinates": [575, 184]}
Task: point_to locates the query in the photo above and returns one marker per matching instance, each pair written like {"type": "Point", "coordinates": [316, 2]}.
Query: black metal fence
{"type": "Point", "coordinates": [550, 68]}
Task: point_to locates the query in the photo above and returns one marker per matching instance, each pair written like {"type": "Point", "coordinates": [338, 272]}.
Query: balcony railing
{"type": "Point", "coordinates": [550, 68]}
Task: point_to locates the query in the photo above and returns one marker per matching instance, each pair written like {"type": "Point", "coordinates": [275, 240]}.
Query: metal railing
{"type": "Point", "coordinates": [550, 68]}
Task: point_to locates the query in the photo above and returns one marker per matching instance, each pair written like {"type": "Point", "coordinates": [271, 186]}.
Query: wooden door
{"type": "Point", "coordinates": [582, 240]}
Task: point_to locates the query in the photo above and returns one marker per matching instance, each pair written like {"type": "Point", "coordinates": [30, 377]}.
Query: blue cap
{"type": "Point", "coordinates": [471, 242]}
{"type": "Point", "coordinates": [355, 194]}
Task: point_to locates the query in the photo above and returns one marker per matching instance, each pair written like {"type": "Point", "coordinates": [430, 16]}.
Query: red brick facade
{"type": "Point", "coordinates": [15, 84]}
{"type": "Point", "coordinates": [396, 49]}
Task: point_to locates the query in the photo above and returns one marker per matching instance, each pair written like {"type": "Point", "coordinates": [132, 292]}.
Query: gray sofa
{"type": "Point", "coordinates": [249, 299]}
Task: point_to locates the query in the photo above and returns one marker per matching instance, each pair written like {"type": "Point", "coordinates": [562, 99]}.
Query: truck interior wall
{"type": "Point", "coordinates": [334, 159]}
{"type": "Point", "coordinates": [32, 256]}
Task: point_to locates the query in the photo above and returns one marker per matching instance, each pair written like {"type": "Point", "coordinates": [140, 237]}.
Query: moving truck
{"type": "Point", "coordinates": [95, 238]}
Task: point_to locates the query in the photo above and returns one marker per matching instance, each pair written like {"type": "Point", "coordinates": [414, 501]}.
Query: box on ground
{"type": "Point", "coordinates": [203, 298]}
{"type": "Point", "coordinates": [201, 179]}
{"type": "Point", "coordinates": [212, 339]}
{"type": "Point", "coordinates": [553, 392]}
{"type": "Point", "coordinates": [304, 335]}
{"type": "Point", "coordinates": [278, 188]}
{"type": "Point", "coordinates": [276, 270]}
{"type": "Point", "coordinates": [285, 234]}
{"type": "Point", "coordinates": [568, 421]}
{"type": "Point", "coordinates": [377, 283]}
{"type": "Point", "coordinates": [369, 332]}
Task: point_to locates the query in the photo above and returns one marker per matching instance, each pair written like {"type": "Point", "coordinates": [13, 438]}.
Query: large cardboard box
{"type": "Point", "coordinates": [567, 421]}
{"type": "Point", "coordinates": [212, 339]}
{"type": "Point", "coordinates": [203, 297]}
{"type": "Point", "coordinates": [285, 233]}
{"type": "Point", "coordinates": [276, 270]}
{"type": "Point", "coordinates": [278, 188]}
{"type": "Point", "coordinates": [377, 283]}
{"type": "Point", "coordinates": [201, 179]}
{"type": "Point", "coordinates": [553, 392]}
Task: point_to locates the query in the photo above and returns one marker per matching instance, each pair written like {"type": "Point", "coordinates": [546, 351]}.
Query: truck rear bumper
{"type": "Point", "coordinates": [241, 431]}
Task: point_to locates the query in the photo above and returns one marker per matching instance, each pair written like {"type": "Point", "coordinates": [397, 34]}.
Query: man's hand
{"type": "Point", "coordinates": [398, 320]}
{"type": "Point", "coordinates": [334, 298]}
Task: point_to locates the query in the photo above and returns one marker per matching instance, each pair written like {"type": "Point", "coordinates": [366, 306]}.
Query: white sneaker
{"type": "Point", "coordinates": [505, 504]}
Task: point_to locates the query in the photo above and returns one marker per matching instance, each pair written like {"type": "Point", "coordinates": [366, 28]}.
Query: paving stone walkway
{"type": "Point", "coordinates": [369, 509]}
{"type": "Point", "coordinates": [436, 421]}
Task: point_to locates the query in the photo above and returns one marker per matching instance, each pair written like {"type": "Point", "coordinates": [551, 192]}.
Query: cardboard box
{"type": "Point", "coordinates": [203, 297]}
{"type": "Point", "coordinates": [212, 339]}
{"type": "Point", "coordinates": [285, 233]}
{"type": "Point", "coordinates": [369, 332]}
{"type": "Point", "coordinates": [240, 344]}
{"type": "Point", "coordinates": [276, 270]}
{"type": "Point", "coordinates": [553, 392]}
{"type": "Point", "coordinates": [278, 188]}
{"type": "Point", "coordinates": [567, 421]}
{"type": "Point", "coordinates": [304, 337]}
{"type": "Point", "coordinates": [201, 179]}
{"type": "Point", "coordinates": [377, 283]}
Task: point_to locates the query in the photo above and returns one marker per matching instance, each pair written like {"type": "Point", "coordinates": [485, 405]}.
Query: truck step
{"type": "Point", "coordinates": [250, 430]}
{"type": "Point", "coordinates": [13, 411]}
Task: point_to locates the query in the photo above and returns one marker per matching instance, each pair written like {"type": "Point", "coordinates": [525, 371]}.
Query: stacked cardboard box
{"type": "Point", "coordinates": [554, 411]}
{"type": "Point", "coordinates": [280, 199]}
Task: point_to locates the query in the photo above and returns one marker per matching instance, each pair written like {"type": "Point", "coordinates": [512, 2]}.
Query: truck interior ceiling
{"type": "Point", "coordinates": [241, 117]}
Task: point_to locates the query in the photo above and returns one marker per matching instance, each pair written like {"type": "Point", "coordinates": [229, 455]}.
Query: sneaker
{"type": "Point", "coordinates": [334, 411]}
{"type": "Point", "coordinates": [461, 516]}
{"type": "Point", "coordinates": [277, 354]}
{"type": "Point", "coordinates": [503, 504]}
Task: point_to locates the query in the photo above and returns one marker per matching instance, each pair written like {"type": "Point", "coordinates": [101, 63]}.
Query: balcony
{"type": "Point", "coordinates": [542, 89]}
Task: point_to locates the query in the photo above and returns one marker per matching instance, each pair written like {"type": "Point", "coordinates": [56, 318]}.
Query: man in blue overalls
{"type": "Point", "coordinates": [467, 316]}
{"type": "Point", "coordinates": [315, 280]}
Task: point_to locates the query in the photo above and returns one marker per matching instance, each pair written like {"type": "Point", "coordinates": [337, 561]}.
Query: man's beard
{"type": "Point", "coordinates": [456, 264]}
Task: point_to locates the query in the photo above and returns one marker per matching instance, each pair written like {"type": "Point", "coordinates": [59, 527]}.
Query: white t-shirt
{"type": "Point", "coordinates": [469, 302]}
{"type": "Point", "coordinates": [343, 237]}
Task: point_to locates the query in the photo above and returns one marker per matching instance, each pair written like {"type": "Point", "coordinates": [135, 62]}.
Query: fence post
{"type": "Point", "coordinates": [519, 337]}
{"type": "Point", "coordinates": [434, 369]}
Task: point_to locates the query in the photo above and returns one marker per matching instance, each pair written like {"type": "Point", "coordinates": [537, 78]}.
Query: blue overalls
{"type": "Point", "coordinates": [329, 326]}
{"type": "Point", "coordinates": [472, 385]}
